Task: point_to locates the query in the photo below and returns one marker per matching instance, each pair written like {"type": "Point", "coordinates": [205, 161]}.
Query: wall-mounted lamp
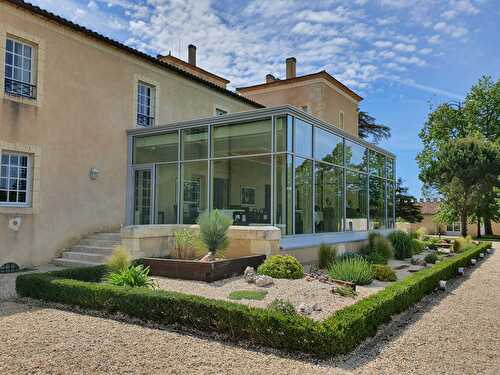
{"type": "Point", "coordinates": [93, 173]}
{"type": "Point", "coordinates": [15, 223]}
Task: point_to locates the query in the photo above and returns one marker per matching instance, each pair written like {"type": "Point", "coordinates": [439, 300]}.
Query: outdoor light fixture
{"type": "Point", "coordinates": [93, 173]}
{"type": "Point", "coordinates": [461, 270]}
{"type": "Point", "coordinates": [442, 284]}
{"type": "Point", "coordinates": [15, 223]}
{"type": "Point", "coordinates": [473, 261]}
{"type": "Point", "coordinates": [481, 255]}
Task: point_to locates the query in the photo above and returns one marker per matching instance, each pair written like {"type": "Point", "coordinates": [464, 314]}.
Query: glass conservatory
{"type": "Point", "coordinates": [273, 166]}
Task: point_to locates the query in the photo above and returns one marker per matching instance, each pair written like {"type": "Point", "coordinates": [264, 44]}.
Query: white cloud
{"type": "Point", "coordinates": [434, 39]}
{"type": "Point", "coordinates": [425, 51]}
{"type": "Point", "coordinates": [405, 47]}
{"type": "Point", "coordinates": [382, 44]}
{"type": "Point", "coordinates": [413, 60]}
{"type": "Point", "coordinates": [452, 30]}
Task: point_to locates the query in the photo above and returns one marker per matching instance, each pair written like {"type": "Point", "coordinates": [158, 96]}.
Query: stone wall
{"type": "Point", "coordinates": [158, 240]}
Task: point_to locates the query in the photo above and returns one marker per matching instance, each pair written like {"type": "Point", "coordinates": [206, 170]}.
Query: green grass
{"type": "Point", "coordinates": [257, 295]}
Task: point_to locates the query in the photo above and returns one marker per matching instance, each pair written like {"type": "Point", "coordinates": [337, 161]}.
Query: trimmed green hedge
{"type": "Point", "coordinates": [340, 333]}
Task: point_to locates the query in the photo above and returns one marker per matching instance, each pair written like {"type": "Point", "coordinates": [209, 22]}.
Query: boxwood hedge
{"type": "Point", "coordinates": [339, 333]}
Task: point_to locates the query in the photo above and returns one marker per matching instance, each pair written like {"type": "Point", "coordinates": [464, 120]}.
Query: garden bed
{"type": "Point", "coordinates": [339, 333]}
{"type": "Point", "coordinates": [202, 271]}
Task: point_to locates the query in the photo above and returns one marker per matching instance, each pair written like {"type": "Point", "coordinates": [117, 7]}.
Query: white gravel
{"type": "Point", "coordinates": [453, 332]}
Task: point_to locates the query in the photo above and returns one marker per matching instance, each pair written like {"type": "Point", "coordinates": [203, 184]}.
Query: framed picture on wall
{"type": "Point", "coordinates": [247, 196]}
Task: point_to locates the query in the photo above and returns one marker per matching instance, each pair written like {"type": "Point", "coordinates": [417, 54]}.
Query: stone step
{"type": "Point", "coordinates": [99, 242]}
{"type": "Point", "coordinates": [92, 249]}
{"type": "Point", "coordinates": [86, 257]}
{"type": "Point", "coordinates": [105, 236]}
{"type": "Point", "coordinates": [63, 262]}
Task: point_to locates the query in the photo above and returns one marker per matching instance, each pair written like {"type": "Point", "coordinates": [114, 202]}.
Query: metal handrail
{"type": "Point", "coordinates": [145, 120]}
{"type": "Point", "coordinates": [19, 88]}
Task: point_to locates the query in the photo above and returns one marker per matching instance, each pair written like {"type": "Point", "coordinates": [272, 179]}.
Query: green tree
{"type": "Point", "coordinates": [367, 127]}
{"type": "Point", "coordinates": [457, 170]}
{"type": "Point", "coordinates": [407, 208]}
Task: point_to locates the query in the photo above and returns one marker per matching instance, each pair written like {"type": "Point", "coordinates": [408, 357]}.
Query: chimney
{"type": "Point", "coordinates": [192, 54]}
{"type": "Point", "coordinates": [270, 78]}
{"type": "Point", "coordinates": [291, 70]}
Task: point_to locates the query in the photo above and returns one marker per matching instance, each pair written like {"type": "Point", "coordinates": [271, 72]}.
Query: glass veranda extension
{"type": "Point", "coordinates": [274, 166]}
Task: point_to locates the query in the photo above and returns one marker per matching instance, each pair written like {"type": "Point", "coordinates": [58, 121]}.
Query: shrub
{"type": "Point", "coordinates": [418, 246]}
{"type": "Point", "coordinates": [281, 267]}
{"type": "Point", "coordinates": [431, 258]}
{"type": "Point", "coordinates": [258, 295]}
{"type": "Point", "coordinates": [402, 244]}
{"type": "Point", "coordinates": [462, 243]}
{"type": "Point", "coordinates": [355, 270]}
{"type": "Point", "coordinates": [433, 243]}
{"type": "Point", "coordinates": [376, 258]}
{"type": "Point", "coordinates": [421, 233]}
{"type": "Point", "coordinates": [341, 332]}
{"type": "Point", "coordinates": [282, 306]}
{"type": "Point", "coordinates": [348, 255]}
{"type": "Point", "coordinates": [327, 254]}
{"type": "Point", "coordinates": [119, 260]}
{"type": "Point", "coordinates": [213, 231]}
{"type": "Point", "coordinates": [345, 291]}
{"type": "Point", "coordinates": [184, 244]}
{"type": "Point", "coordinates": [133, 276]}
{"type": "Point", "coordinates": [378, 250]}
{"type": "Point", "coordinates": [384, 273]}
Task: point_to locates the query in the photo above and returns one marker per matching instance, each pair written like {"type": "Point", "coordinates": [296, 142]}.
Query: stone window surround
{"type": "Point", "coordinates": [39, 45]}
{"type": "Point", "coordinates": [140, 78]}
{"type": "Point", "coordinates": [34, 151]}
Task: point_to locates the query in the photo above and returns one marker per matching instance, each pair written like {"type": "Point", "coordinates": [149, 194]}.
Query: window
{"type": "Point", "coordinates": [329, 205]}
{"type": "Point", "coordinates": [156, 148]}
{"type": "Point", "coordinates": [356, 202]}
{"type": "Point", "coordinates": [377, 203]}
{"type": "Point", "coordinates": [328, 147]}
{"type": "Point", "coordinates": [303, 138]}
{"type": "Point", "coordinates": [145, 105]}
{"type": "Point", "coordinates": [303, 196]}
{"type": "Point", "coordinates": [356, 156]}
{"type": "Point", "coordinates": [19, 69]}
{"type": "Point", "coordinates": [194, 187]}
{"type": "Point", "coordinates": [377, 164]}
{"type": "Point", "coordinates": [284, 133]}
{"type": "Point", "coordinates": [283, 197]}
{"type": "Point", "coordinates": [14, 179]}
{"type": "Point", "coordinates": [220, 112]}
{"type": "Point", "coordinates": [341, 120]}
{"type": "Point", "coordinates": [242, 139]}
{"type": "Point", "coordinates": [195, 143]}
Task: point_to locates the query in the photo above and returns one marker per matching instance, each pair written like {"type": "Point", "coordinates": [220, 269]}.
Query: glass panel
{"type": "Point", "coordinates": [283, 197]}
{"type": "Point", "coordinates": [10, 45]}
{"type": "Point", "coordinates": [303, 138]}
{"type": "Point", "coordinates": [195, 143]}
{"type": "Point", "coordinates": [328, 147]}
{"type": "Point", "coordinates": [241, 188]}
{"type": "Point", "coordinates": [377, 203]}
{"type": "Point", "coordinates": [166, 194]}
{"type": "Point", "coordinates": [194, 190]}
{"type": "Point", "coordinates": [377, 164]}
{"type": "Point", "coordinates": [284, 133]}
{"type": "Point", "coordinates": [389, 167]}
{"type": "Point", "coordinates": [356, 202]}
{"type": "Point", "coordinates": [355, 156]}
{"type": "Point", "coordinates": [155, 148]}
{"type": "Point", "coordinates": [303, 196]}
{"type": "Point", "coordinates": [242, 139]}
{"type": "Point", "coordinates": [390, 205]}
{"type": "Point", "coordinates": [142, 197]}
{"type": "Point", "coordinates": [329, 205]}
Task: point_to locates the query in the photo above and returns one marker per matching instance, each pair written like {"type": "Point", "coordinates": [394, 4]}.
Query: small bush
{"type": "Point", "coordinates": [133, 276]}
{"type": "Point", "coordinates": [418, 246]}
{"type": "Point", "coordinates": [431, 258]}
{"type": "Point", "coordinates": [185, 247]}
{"type": "Point", "coordinates": [462, 243]}
{"type": "Point", "coordinates": [355, 270]}
{"type": "Point", "coordinates": [119, 260]}
{"type": "Point", "coordinates": [326, 255]}
{"type": "Point", "coordinates": [378, 249]}
{"type": "Point", "coordinates": [376, 258]}
{"type": "Point", "coordinates": [384, 273]}
{"type": "Point", "coordinates": [433, 243]}
{"type": "Point", "coordinates": [281, 267]}
{"type": "Point", "coordinates": [421, 233]}
{"type": "Point", "coordinates": [348, 255]}
{"type": "Point", "coordinates": [402, 244]}
{"type": "Point", "coordinates": [213, 230]}
{"type": "Point", "coordinates": [257, 295]}
{"type": "Point", "coordinates": [345, 291]}
{"type": "Point", "coordinates": [282, 306]}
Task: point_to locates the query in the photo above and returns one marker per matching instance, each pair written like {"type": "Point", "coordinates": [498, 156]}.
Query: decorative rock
{"type": "Point", "coordinates": [442, 284]}
{"type": "Point", "coordinates": [305, 309]}
{"type": "Point", "coordinates": [461, 270]}
{"type": "Point", "coordinates": [309, 278]}
{"type": "Point", "coordinates": [249, 275]}
{"type": "Point", "coordinates": [264, 280]}
{"type": "Point", "coordinates": [316, 307]}
{"type": "Point", "coordinates": [418, 261]}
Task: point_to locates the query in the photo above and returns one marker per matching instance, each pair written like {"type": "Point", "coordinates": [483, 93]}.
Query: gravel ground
{"type": "Point", "coordinates": [453, 332]}
{"type": "Point", "coordinates": [8, 280]}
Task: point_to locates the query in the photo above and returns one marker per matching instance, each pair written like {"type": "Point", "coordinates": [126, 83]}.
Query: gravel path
{"type": "Point", "coordinates": [457, 332]}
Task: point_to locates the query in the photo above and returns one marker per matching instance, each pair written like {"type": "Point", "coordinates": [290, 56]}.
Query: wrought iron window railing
{"type": "Point", "coordinates": [144, 120]}
{"type": "Point", "coordinates": [19, 88]}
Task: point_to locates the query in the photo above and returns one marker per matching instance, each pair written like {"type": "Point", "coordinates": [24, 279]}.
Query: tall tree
{"type": "Point", "coordinates": [368, 127]}
{"type": "Point", "coordinates": [407, 208]}
{"type": "Point", "coordinates": [458, 169]}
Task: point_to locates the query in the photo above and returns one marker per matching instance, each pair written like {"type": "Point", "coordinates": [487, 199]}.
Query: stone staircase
{"type": "Point", "coordinates": [92, 250]}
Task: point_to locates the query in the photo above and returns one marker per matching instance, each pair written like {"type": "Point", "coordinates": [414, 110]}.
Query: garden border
{"type": "Point", "coordinates": [339, 333]}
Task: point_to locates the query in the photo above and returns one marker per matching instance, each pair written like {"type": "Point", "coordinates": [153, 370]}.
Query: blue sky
{"type": "Point", "coordinates": [401, 55]}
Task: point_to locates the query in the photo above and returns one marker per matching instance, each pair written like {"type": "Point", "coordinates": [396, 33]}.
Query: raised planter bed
{"type": "Point", "coordinates": [201, 271]}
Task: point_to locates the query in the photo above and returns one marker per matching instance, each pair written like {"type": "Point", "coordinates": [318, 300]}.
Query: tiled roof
{"type": "Point", "coordinates": [92, 34]}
